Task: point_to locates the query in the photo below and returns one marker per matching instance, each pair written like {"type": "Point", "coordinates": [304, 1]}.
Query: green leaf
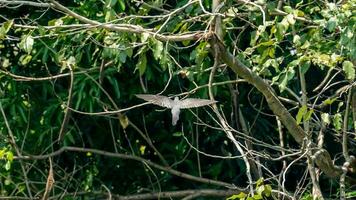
{"type": "Point", "coordinates": [296, 40]}
{"type": "Point", "coordinates": [129, 52]}
{"type": "Point", "coordinates": [271, 52]}
{"type": "Point", "coordinates": [8, 165]}
{"type": "Point", "coordinates": [294, 63]}
{"type": "Point", "coordinates": [110, 15]}
{"type": "Point", "coordinates": [5, 63]}
{"type": "Point", "coordinates": [177, 134]}
{"type": "Point", "coordinates": [301, 112]}
{"type": "Point", "coordinates": [325, 118]}
{"type": "Point", "coordinates": [144, 37]}
{"type": "Point", "coordinates": [288, 9]}
{"type": "Point", "coordinates": [260, 189]}
{"type": "Point", "coordinates": [110, 3]}
{"type": "Point", "coordinates": [122, 5]}
{"type": "Point", "coordinates": [308, 115]}
{"type": "Point", "coordinates": [122, 56]}
{"type": "Point", "coordinates": [157, 49]}
{"type": "Point", "coordinates": [68, 139]}
{"type": "Point", "coordinates": [237, 196]}
{"type": "Point", "coordinates": [25, 59]}
{"type": "Point", "coordinates": [5, 28]}
{"type": "Point", "coordinates": [142, 64]}
{"type": "Point", "coordinates": [305, 66]}
{"type": "Point", "coordinates": [10, 156]}
{"type": "Point", "coordinates": [55, 22]}
{"type": "Point", "coordinates": [268, 190]}
{"type": "Point", "coordinates": [337, 121]}
{"type": "Point", "coordinates": [290, 73]}
{"type": "Point", "coordinates": [26, 44]}
{"type": "Point", "coordinates": [254, 38]}
{"type": "Point", "coordinates": [329, 101]}
{"type": "Point", "coordinates": [331, 24]}
{"type": "Point", "coordinates": [7, 181]}
{"type": "Point", "coordinates": [290, 19]}
{"type": "Point", "coordinates": [280, 31]}
{"type": "Point", "coordinates": [165, 60]}
{"type": "Point", "coordinates": [124, 121]}
{"type": "Point", "coordinates": [349, 70]}
{"type": "Point", "coordinates": [257, 196]}
{"type": "Point", "coordinates": [267, 44]}
{"type": "Point", "coordinates": [2, 153]}
{"type": "Point", "coordinates": [259, 182]}
{"type": "Point", "coordinates": [306, 45]}
{"type": "Point", "coordinates": [283, 80]}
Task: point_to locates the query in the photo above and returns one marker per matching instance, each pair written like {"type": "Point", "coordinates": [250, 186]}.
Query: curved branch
{"type": "Point", "coordinates": [129, 157]}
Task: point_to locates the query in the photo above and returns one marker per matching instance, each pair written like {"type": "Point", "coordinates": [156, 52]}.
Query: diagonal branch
{"type": "Point", "coordinates": [321, 156]}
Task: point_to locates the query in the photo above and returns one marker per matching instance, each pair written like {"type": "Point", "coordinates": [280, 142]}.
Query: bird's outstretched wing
{"type": "Point", "coordinates": [193, 103]}
{"type": "Point", "coordinates": [157, 100]}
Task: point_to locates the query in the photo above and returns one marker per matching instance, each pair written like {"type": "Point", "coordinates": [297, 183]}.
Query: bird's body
{"type": "Point", "coordinates": [176, 104]}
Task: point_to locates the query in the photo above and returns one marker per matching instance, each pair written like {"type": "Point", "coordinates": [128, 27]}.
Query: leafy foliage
{"type": "Point", "coordinates": [114, 49]}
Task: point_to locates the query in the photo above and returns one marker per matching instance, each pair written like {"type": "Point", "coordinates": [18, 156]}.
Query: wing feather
{"type": "Point", "coordinates": [193, 103]}
{"type": "Point", "coordinates": [157, 100]}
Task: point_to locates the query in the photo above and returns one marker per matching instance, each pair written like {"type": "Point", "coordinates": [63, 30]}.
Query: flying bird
{"type": "Point", "coordinates": [176, 104]}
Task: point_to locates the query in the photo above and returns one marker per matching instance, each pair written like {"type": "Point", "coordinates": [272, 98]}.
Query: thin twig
{"type": "Point", "coordinates": [67, 111]}
{"type": "Point", "coordinates": [12, 141]}
{"type": "Point", "coordinates": [50, 181]}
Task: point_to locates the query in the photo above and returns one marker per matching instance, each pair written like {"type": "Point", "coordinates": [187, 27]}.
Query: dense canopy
{"type": "Point", "coordinates": [275, 79]}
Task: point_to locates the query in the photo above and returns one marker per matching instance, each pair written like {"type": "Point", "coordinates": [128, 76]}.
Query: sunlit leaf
{"type": "Point", "coordinates": [257, 196]}
{"type": "Point", "coordinates": [7, 165]}
{"type": "Point", "coordinates": [241, 195]}
{"type": "Point", "coordinates": [5, 28]}
{"type": "Point", "coordinates": [10, 156]}
{"type": "Point", "coordinates": [259, 182]}
{"type": "Point", "coordinates": [296, 40]}
{"type": "Point", "coordinates": [260, 189]}
{"type": "Point", "coordinates": [25, 59]}
{"type": "Point", "coordinates": [2, 153]}
{"type": "Point", "coordinates": [325, 118]}
{"type": "Point", "coordinates": [349, 70]}
{"type": "Point", "coordinates": [124, 121]}
{"type": "Point", "coordinates": [308, 115]}
{"type": "Point", "coordinates": [142, 149]}
{"type": "Point", "coordinates": [26, 44]}
{"type": "Point", "coordinates": [337, 121]}
{"type": "Point", "coordinates": [157, 49]}
{"type": "Point", "coordinates": [301, 112]}
{"type": "Point", "coordinates": [290, 19]}
{"type": "Point", "coordinates": [268, 190]}
{"type": "Point", "coordinates": [288, 9]}
{"type": "Point", "coordinates": [329, 101]}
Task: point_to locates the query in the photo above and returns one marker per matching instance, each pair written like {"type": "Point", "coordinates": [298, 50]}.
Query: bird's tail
{"type": "Point", "coordinates": [175, 119]}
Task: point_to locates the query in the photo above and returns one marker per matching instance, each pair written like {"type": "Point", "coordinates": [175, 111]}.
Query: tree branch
{"type": "Point", "coordinates": [322, 157]}
{"type": "Point", "coordinates": [129, 157]}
